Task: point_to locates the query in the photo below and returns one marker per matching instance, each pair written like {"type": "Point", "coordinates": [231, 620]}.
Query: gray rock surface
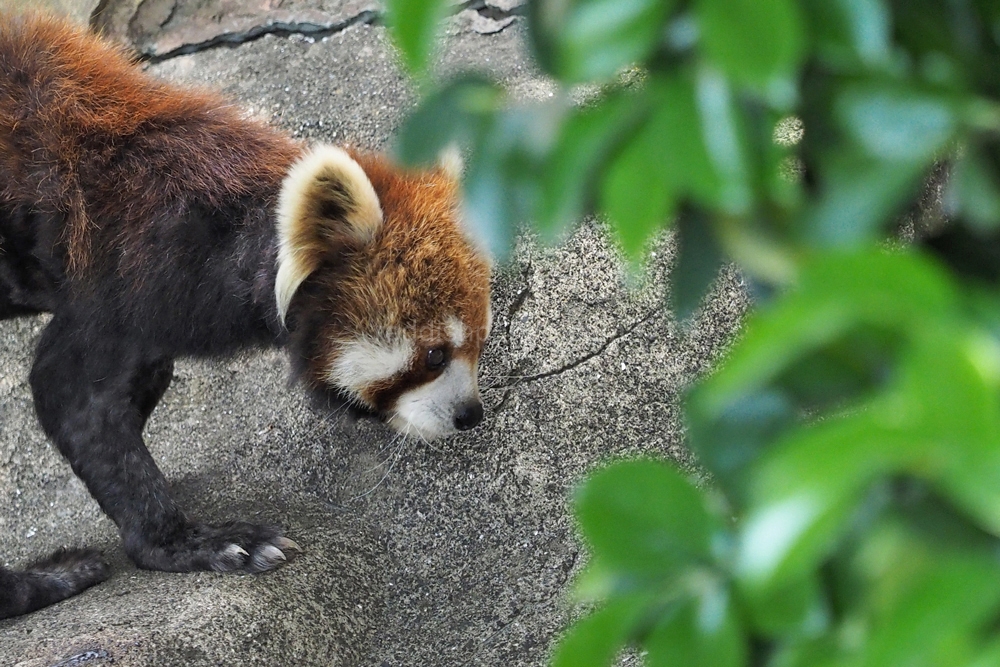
{"type": "Point", "coordinates": [77, 10]}
{"type": "Point", "coordinates": [162, 28]}
{"type": "Point", "coordinates": [455, 553]}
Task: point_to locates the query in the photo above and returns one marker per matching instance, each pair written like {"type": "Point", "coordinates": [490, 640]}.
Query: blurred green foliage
{"type": "Point", "coordinates": [853, 432]}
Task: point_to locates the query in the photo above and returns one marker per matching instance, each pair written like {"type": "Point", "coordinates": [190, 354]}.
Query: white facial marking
{"type": "Point", "coordinates": [364, 361]}
{"type": "Point", "coordinates": [456, 331]}
{"type": "Point", "coordinates": [428, 411]}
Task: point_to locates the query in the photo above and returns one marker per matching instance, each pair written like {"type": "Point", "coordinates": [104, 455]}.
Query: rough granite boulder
{"type": "Point", "coordinates": [454, 553]}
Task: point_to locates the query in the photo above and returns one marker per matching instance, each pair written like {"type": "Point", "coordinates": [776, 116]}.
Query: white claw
{"type": "Point", "coordinates": [269, 555]}
{"type": "Point", "coordinates": [235, 550]}
{"type": "Point", "coordinates": [231, 557]}
{"type": "Point", "coordinates": [286, 544]}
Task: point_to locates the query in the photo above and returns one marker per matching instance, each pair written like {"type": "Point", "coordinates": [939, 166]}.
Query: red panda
{"type": "Point", "coordinates": [155, 222]}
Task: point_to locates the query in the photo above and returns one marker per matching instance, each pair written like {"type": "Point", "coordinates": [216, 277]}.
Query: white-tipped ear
{"type": "Point", "coordinates": [452, 164]}
{"type": "Point", "coordinates": [450, 161]}
{"type": "Point", "coordinates": [326, 202]}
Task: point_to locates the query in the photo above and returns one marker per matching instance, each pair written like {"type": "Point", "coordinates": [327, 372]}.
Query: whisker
{"type": "Point", "coordinates": [392, 442]}
{"type": "Point", "coordinates": [397, 457]}
{"type": "Point", "coordinates": [397, 440]}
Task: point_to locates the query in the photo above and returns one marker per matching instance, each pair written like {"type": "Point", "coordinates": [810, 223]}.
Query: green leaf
{"type": "Point", "coordinates": [854, 365]}
{"type": "Point", "coordinates": [951, 380]}
{"type": "Point", "coordinates": [809, 652]}
{"type": "Point", "coordinates": [897, 133]}
{"type": "Point", "coordinates": [988, 656]}
{"type": "Point", "coordinates": [660, 163]}
{"type": "Point", "coordinates": [910, 530]}
{"type": "Point", "coordinates": [939, 422]}
{"type": "Point", "coordinates": [761, 250]}
{"type": "Point", "coordinates": [456, 114]}
{"type": "Point", "coordinates": [586, 139]}
{"type": "Point", "coordinates": [500, 180]}
{"type": "Point", "coordinates": [635, 193]}
{"type": "Point", "coordinates": [594, 640]}
{"type": "Point", "coordinates": [947, 32]}
{"type": "Point", "coordinates": [414, 25]}
{"type": "Point", "coordinates": [937, 620]}
{"type": "Point", "coordinates": [585, 40]}
{"type": "Point", "coordinates": [804, 490]}
{"type": "Point", "coordinates": [869, 27]}
{"type": "Point", "coordinates": [503, 175]}
{"type": "Point", "coordinates": [975, 191]}
{"type": "Point", "coordinates": [858, 199]}
{"type": "Point", "coordinates": [724, 144]}
{"type": "Point", "coordinates": [895, 123]}
{"type": "Point", "coordinates": [645, 519]}
{"type": "Point", "coordinates": [753, 42]}
{"type": "Point", "coordinates": [836, 293]}
{"type": "Point", "coordinates": [701, 633]}
{"type": "Point", "coordinates": [934, 521]}
{"type": "Point", "coordinates": [848, 31]}
{"type": "Point", "coordinates": [699, 260]}
{"type": "Point", "coordinates": [728, 441]}
{"type": "Point", "coordinates": [797, 608]}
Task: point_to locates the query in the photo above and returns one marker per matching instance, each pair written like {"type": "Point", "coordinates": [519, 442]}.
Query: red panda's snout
{"type": "Point", "coordinates": [445, 396]}
{"type": "Point", "coordinates": [386, 297]}
{"type": "Point", "coordinates": [423, 383]}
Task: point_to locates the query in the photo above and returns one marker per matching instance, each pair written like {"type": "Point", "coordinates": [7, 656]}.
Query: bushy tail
{"type": "Point", "coordinates": [63, 574]}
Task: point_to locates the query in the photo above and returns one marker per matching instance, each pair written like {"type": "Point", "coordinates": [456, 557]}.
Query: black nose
{"type": "Point", "coordinates": [468, 416]}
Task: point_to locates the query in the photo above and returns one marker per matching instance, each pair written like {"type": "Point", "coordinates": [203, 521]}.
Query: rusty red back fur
{"type": "Point", "coordinates": [85, 133]}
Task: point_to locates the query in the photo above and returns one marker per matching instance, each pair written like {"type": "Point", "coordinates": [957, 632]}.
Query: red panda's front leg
{"type": "Point", "coordinates": [93, 390]}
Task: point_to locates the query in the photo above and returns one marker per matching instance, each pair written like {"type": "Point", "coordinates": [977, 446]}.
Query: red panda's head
{"type": "Point", "coordinates": [386, 297]}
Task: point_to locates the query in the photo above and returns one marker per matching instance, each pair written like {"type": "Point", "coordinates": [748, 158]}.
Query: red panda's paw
{"type": "Point", "coordinates": [230, 547]}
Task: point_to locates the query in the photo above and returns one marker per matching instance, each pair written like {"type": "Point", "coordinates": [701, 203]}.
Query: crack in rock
{"type": "Point", "coordinates": [490, 16]}
{"type": "Point", "coordinates": [497, 10]}
{"type": "Point", "coordinates": [582, 360]}
{"type": "Point", "coordinates": [83, 658]}
{"type": "Point", "coordinates": [170, 14]}
{"type": "Point", "coordinates": [278, 28]}
{"type": "Point", "coordinates": [515, 306]}
{"type": "Point", "coordinates": [486, 17]}
{"type": "Point", "coordinates": [502, 403]}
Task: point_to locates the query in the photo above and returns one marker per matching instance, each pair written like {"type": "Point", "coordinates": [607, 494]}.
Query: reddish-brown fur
{"type": "Point", "coordinates": [421, 214]}
{"type": "Point", "coordinates": [84, 144]}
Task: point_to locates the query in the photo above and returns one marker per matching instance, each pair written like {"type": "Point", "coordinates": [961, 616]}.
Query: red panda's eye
{"type": "Point", "coordinates": [436, 358]}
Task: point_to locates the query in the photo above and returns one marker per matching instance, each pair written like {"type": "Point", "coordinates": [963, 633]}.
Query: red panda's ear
{"type": "Point", "coordinates": [450, 162]}
{"type": "Point", "coordinates": [327, 202]}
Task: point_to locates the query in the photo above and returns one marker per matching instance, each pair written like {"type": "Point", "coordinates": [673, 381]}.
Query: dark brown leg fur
{"type": "Point", "coordinates": [27, 284]}
{"type": "Point", "coordinates": [63, 574]}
